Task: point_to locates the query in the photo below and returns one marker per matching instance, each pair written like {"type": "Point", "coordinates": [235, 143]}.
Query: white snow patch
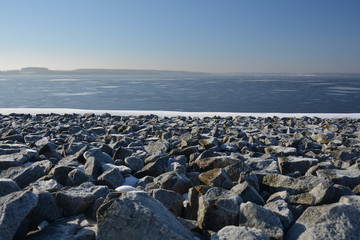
{"type": "Point", "coordinates": [125, 188]}
{"type": "Point", "coordinates": [34, 111]}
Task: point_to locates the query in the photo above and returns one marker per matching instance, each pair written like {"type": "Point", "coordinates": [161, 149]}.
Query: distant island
{"type": "Point", "coordinates": [46, 71]}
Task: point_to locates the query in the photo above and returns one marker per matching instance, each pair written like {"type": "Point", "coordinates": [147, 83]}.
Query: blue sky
{"type": "Point", "coordinates": [196, 35]}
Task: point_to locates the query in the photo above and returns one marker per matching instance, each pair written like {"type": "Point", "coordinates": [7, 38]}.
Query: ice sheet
{"type": "Point", "coordinates": [33, 111]}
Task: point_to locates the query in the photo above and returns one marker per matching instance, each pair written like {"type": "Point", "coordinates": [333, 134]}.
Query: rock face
{"type": "Point", "coordinates": [335, 221]}
{"type": "Point", "coordinates": [239, 232]}
{"type": "Point", "coordinates": [13, 209]}
{"type": "Point", "coordinates": [72, 176]}
{"type": "Point", "coordinates": [120, 218]}
{"type": "Point", "coordinates": [255, 216]}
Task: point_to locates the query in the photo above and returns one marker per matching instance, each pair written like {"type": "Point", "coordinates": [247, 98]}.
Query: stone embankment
{"type": "Point", "coordinates": [110, 177]}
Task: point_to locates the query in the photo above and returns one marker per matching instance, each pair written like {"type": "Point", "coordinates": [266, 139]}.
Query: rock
{"type": "Point", "coordinates": [216, 178]}
{"type": "Point", "coordinates": [111, 178]}
{"type": "Point", "coordinates": [45, 209]}
{"type": "Point", "coordinates": [74, 200]}
{"type": "Point", "coordinates": [23, 176]}
{"type": "Point", "coordinates": [206, 164]}
{"type": "Point", "coordinates": [93, 167]}
{"type": "Point", "coordinates": [97, 154]}
{"type": "Point", "coordinates": [77, 177]}
{"type": "Point", "coordinates": [239, 232]}
{"type": "Point", "coordinates": [218, 208]}
{"type": "Point", "coordinates": [352, 199]}
{"type": "Point", "coordinates": [282, 210]}
{"type": "Point", "coordinates": [173, 201]}
{"type": "Point", "coordinates": [61, 172]}
{"type": "Point", "coordinates": [134, 163]}
{"type": "Point", "coordinates": [157, 147]}
{"type": "Point", "coordinates": [17, 158]}
{"type": "Point", "coordinates": [248, 193]}
{"type": "Point", "coordinates": [192, 205]}
{"type": "Point", "coordinates": [277, 183]}
{"type": "Point", "coordinates": [255, 216]}
{"type": "Point", "coordinates": [122, 216]}
{"type": "Point", "coordinates": [74, 227]}
{"type": "Point", "coordinates": [13, 209]}
{"type": "Point", "coordinates": [154, 169]}
{"type": "Point", "coordinates": [7, 186]}
{"type": "Point", "coordinates": [334, 221]}
{"type": "Point", "coordinates": [122, 153]}
{"type": "Point", "coordinates": [234, 170]}
{"type": "Point", "coordinates": [291, 164]}
{"type": "Point", "coordinates": [281, 151]}
{"type": "Point", "coordinates": [50, 185]}
{"type": "Point", "coordinates": [349, 178]}
{"type": "Point", "coordinates": [177, 182]}
{"type": "Point", "coordinates": [208, 142]}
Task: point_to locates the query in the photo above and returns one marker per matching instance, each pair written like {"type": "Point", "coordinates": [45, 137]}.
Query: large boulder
{"type": "Point", "coordinates": [7, 186]}
{"type": "Point", "coordinates": [14, 207]}
{"type": "Point", "coordinates": [334, 221]}
{"type": "Point", "coordinates": [349, 177]}
{"type": "Point", "coordinates": [135, 215]}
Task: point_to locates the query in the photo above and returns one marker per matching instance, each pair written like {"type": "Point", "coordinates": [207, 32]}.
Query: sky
{"type": "Point", "coordinates": [298, 36]}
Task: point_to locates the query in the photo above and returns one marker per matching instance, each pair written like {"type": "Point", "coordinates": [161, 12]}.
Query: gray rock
{"type": "Point", "coordinates": [74, 227]}
{"type": "Point", "coordinates": [352, 199]}
{"type": "Point", "coordinates": [111, 178]}
{"type": "Point", "coordinates": [239, 232]}
{"type": "Point", "coordinates": [7, 186]}
{"type": "Point", "coordinates": [50, 185]}
{"type": "Point", "coordinates": [45, 209]}
{"type": "Point", "coordinates": [134, 163]}
{"type": "Point", "coordinates": [218, 208]}
{"type": "Point", "coordinates": [93, 167]}
{"type": "Point", "coordinates": [192, 205]}
{"type": "Point", "coordinates": [120, 218]}
{"type": "Point", "coordinates": [206, 164]}
{"type": "Point", "coordinates": [248, 193]}
{"type": "Point", "coordinates": [177, 182]}
{"type": "Point", "coordinates": [97, 154]}
{"type": "Point", "coordinates": [334, 221]}
{"type": "Point", "coordinates": [291, 164]}
{"type": "Point", "coordinates": [77, 177]}
{"type": "Point", "coordinates": [157, 147]}
{"type": "Point", "coordinates": [282, 210]}
{"type": "Point", "coordinates": [349, 178]}
{"type": "Point", "coordinates": [173, 201]}
{"type": "Point", "coordinates": [17, 158]}
{"type": "Point", "coordinates": [74, 200]}
{"type": "Point", "coordinates": [281, 151]}
{"type": "Point", "coordinates": [154, 169]}
{"type": "Point", "coordinates": [234, 170]}
{"type": "Point", "coordinates": [23, 176]}
{"type": "Point", "coordinates": [60, 173]}
{"type": "Point", "coordinates": [255, 216]}
{"type": "Point", "coordinates": [216, 178]}
{"type": "Point", "coordinates": [13, 209]}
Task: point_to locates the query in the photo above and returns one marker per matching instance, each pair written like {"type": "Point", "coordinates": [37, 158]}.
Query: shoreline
{"type": "Point", "coordinates": [34, 111]}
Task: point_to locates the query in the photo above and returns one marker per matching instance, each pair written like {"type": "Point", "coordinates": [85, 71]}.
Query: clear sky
{"type": "Point", "coordinates": [196, 35]}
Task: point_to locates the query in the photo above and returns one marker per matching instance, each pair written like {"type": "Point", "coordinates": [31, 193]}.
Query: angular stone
{"type": "Point", "coordinates": [14, 207]}
{"type": "Point", "coordinates": [93, 167]}
{"type": "Point", "coordinates": [23, 176]}
{"type": "Point", "coordinates": [281, 151]}
{"type": "Point", "coordinates": [175, 181]}
{"type": "Point", "coordinates": [234, 170]}
{"type": "Point", "coordinates": [77, 177]}
{"type": "Point", "coordinates": [134, 163]}
{"type": "Point", "coordinates": [111, 178]}
{"type": "Point", "coordinates": [122, 216]}
{"type": "Point", "coordinates": [74, 227]}
{"type": "Point", "coordinates": [255, 216]}
{"type": "Point", "coordinates": [97, 154]}
{"type": "Point", "coordinates": [218, 208]}
{"type": "Point", "coordinates": [239, 233]}
{"type": "Point", "coordinates": [291, 164]}
{"type": "Point", "coordinates": [7, 186]}
{"type": "Point", "coordinates": [206, 164]}
{"type": "Point", "coordinates": [17, 158]}
{"type": "Point", "coordinates": [45, 209]}
{"type": "Point", "coordinates": [334, 221]}
{"type": "Point", "coordinates": [248, 193]}
{"type": "Point", "coordinates": [173, 201]}
{"type": "Point", "coordinates": [349, 178]}
{"type": "Point", "coordinates": [282, 210]}
{"type": "Point", "coordinates": [60, 173]}
{"type": "Point", "coordinates": [352, 199]}
{"type": "Point", "coordinates": [154, 169]}
{"type": "Point", "coordinates": [50, 185]}
{"type": "Point", "coordinates": [157, 147]}
{"type": "Point", "coordinates": [216, 178]}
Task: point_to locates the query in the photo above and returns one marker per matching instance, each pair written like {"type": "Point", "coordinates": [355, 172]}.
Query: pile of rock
{"type": "Point", "coordinates": [144, 177]}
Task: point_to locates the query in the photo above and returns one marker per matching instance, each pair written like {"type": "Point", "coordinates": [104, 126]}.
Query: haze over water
{"type": "Point", "coordinates": [286, 93]}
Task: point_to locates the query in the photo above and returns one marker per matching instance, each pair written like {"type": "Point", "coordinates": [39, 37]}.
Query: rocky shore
{"type": "Point", "coordinates": [106, 177]}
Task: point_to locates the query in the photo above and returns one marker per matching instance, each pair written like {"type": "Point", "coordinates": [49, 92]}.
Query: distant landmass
{"type": "Point", "coordinates": [46, 71]}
